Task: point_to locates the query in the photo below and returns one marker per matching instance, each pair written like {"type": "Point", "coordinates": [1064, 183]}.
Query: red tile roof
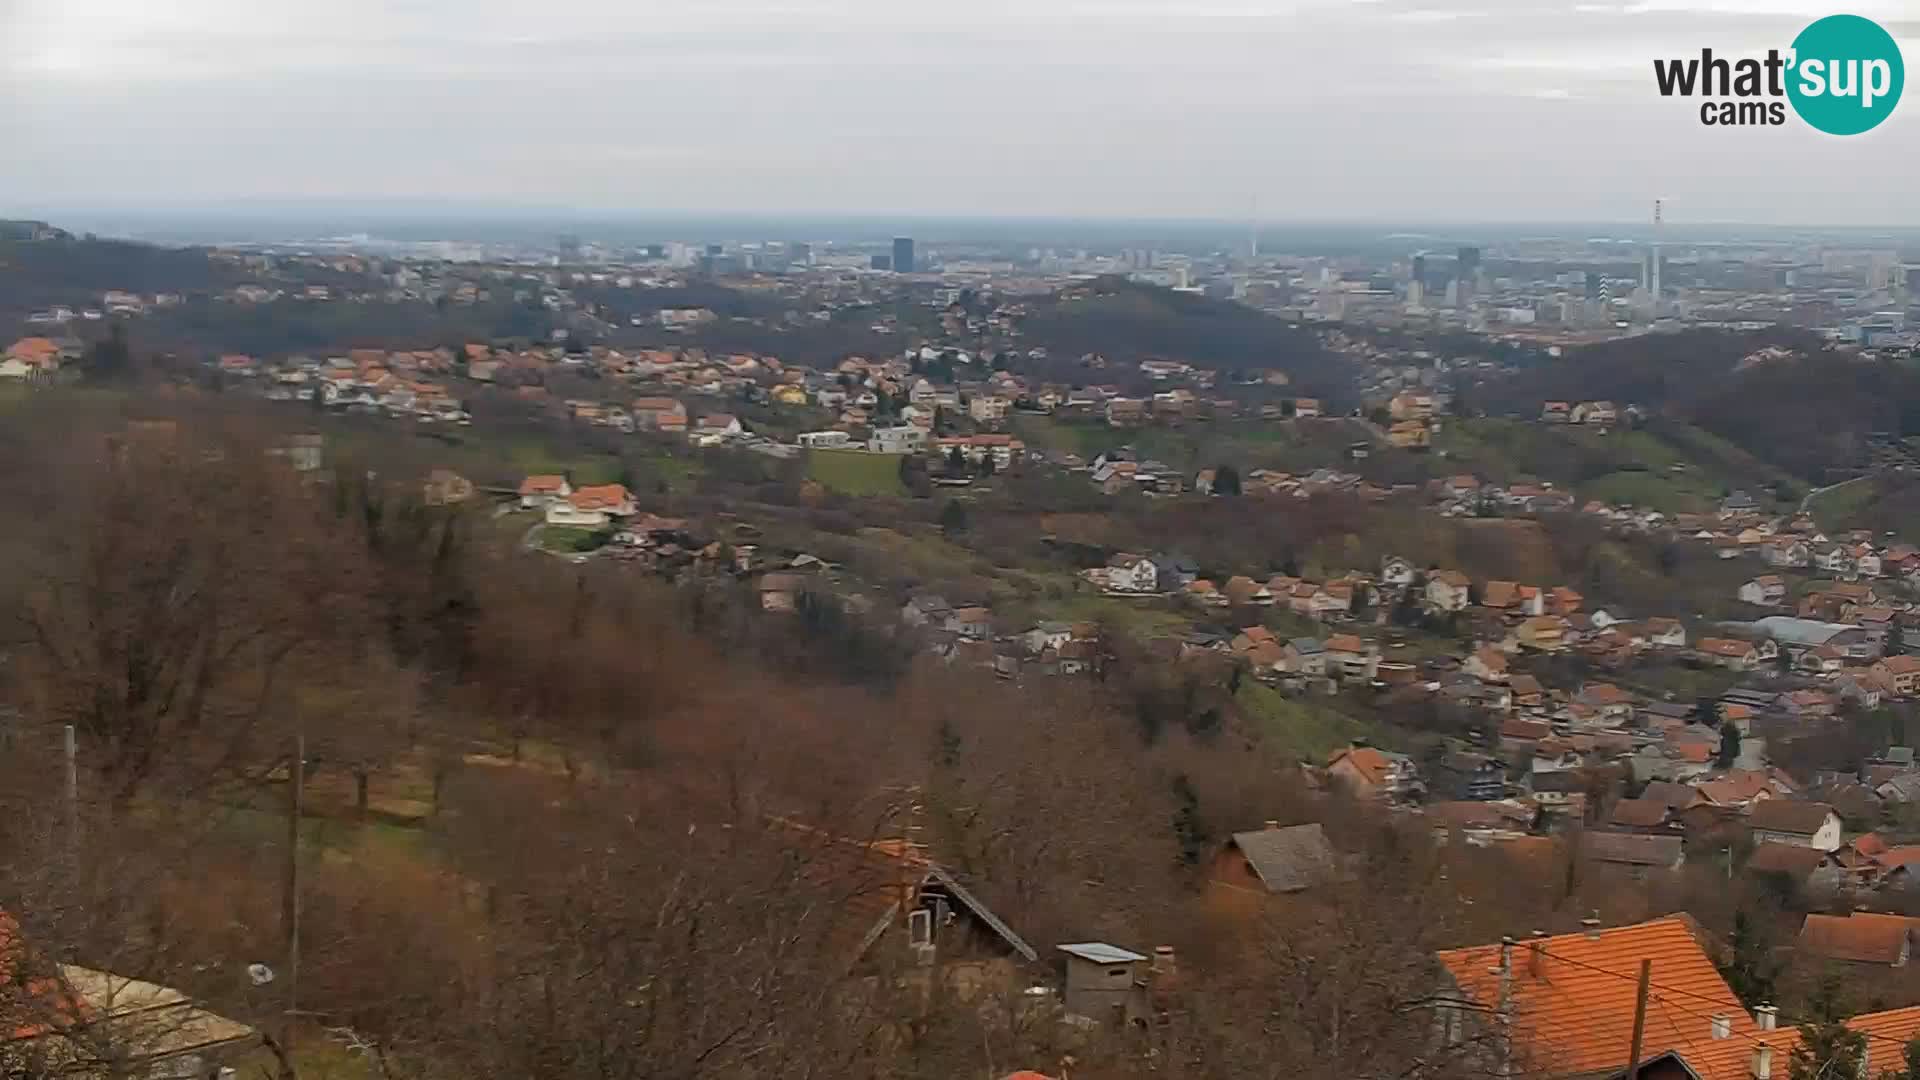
{"type": "Point", "coordinates": [1857, 938]}
{"type": "Point", "coordinates": [1573, 1010]}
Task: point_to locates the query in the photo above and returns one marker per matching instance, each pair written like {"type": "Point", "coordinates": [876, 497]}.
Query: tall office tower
{"type": "Point", "coordinates": [1653, 257]}
{"type": "Point", "coordinates": [1593, 285]}
{"type": "Point", "coordinates": [1469, 259]}
{"type": "Point", "coordinates": [903, 254]}
{"type": "Point", "coordinates": [803, 253]}
{"type": "Point", "coordinates": [1419, 269]}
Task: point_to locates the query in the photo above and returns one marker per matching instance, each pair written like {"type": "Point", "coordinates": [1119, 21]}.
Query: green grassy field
{"type": "Point", "coordinates": [1672, 468]}
{"type": "Point", "coordinates": [1844, 506]}
{"type": "Point", "coordinates": [856, 472]}
{"type": "Point", "coordinates": [1298, 726]}
{"type": "Point", "coordinates": [568, 539]}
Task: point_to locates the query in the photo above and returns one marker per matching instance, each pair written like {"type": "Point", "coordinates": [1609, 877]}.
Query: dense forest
{"type": "Point", "coordinates": [1124, 321]}
{"type": "Point", "coordinates": [1811, 411]}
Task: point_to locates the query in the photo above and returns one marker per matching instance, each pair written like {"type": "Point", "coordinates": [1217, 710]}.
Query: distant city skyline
{"type": "Point", "coordinates": [1285, 111]}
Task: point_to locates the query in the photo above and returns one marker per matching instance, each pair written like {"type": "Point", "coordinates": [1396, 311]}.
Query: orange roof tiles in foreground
{"type": "Point", "coordinates": [1573, 1003]}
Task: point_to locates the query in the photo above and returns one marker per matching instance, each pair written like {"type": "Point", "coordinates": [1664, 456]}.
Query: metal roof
{"type": "Point", "coordinates": [1099, 952]}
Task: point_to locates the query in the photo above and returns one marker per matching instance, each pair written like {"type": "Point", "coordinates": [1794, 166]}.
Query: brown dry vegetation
{"type": "Point", "coordinates": [605, 882]}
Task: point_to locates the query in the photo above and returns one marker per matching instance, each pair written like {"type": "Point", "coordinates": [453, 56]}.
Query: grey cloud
{"type": "Point", "coordinates": [1396, 109]}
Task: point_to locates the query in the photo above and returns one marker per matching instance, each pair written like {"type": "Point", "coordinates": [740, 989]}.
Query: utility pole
{"type": "Point", "coordinates": [72, 751]}
{"type": "Point", "coordinates": [1639, 1019]}
{"type": "Point", "coordinates": [290, 903]}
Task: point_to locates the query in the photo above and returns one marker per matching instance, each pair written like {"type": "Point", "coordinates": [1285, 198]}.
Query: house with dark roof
{"type": "Point", "coordinates": [1275, 859]}
{"type": "Point", "coordinates": [1794, 821]}
{"type": "Point", "coordinates": [1638, 854]}
{"type": "Point", "coordinates": [1809, 870]}
{"type": "Point", "coordinates": [1649, 816]}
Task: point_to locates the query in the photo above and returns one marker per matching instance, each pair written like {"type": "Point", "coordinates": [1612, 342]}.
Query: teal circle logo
{"type": "Point", "coordinates": [1846, 75]}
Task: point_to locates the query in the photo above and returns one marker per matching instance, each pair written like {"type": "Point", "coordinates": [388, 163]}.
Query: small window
{"type": "Point", "coordinates": [920, 927]}
{"type": "Point", "coordinates": [1118, 973]}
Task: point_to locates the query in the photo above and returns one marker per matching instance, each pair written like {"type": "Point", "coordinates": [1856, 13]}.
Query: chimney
{"type": "Point", "coordinates": [1763, 1062]}
{"type": "Point", "coordinates": [1591, 925]}
{"type": "Point", "coordinates": [1766, 1017]}
{"type": "Point", "coordinates": [1537, 954]}
{"type": "Point", "coordinates": [1273, 824]}
{"type": "Point", "coordinates": [1722, 1025]}
{"type": "Point", "coordinates": [1506, 956]}
{"type": "Point", "coordinates": [1166, 970]}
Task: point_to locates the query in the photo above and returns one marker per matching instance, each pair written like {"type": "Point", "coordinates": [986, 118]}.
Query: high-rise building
{"type": "Point", "coordinates": [880, 262]}
{"type": "Point", "coordinates": [1469, 259]}
{"type": "Point", "coordinates": [903, 254]}
{"type": "Point", "coordinates": [1593, 285]}
{"type": "Point", "coordinates": [1419, 269]}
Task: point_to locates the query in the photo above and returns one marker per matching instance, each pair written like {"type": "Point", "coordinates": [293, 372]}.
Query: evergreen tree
{"type": "Point", "coordinates": [1827, 1050]}
{"type": "Point", "coordinates": [1226, 480]}
{"type": "Point", "coordinates": [953, 518]}
{"type": "Point", "coordinates": [1751, 971]}
{"type": "Point", "coordinates": [1729, 745]}
{"type": "Point", "coordinates": [111, 359]}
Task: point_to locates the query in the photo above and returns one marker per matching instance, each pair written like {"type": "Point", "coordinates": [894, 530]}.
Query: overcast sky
{"type": "Point", "coordinates": [1338, 110]}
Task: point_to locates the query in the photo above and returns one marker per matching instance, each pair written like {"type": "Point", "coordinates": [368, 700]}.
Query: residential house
{"type": "Point", "coordinates": [1902, 673]}
{"type": "Point", "coordinates": [1767, 590]}
{"type": "Point", "coordinates": [1487, 664]}
{"type": "Point", "coordinates": [716, 428]}
{"type": "Point", "coordinates": [988, 409]}
{"type": "Point", "coordinates": [1809, 870]}
{"type": "Point", "coordinates": [1369, 773]}
{"type": "Point", "coordinates": [591, 507]}
{"type": "Point", "coordinates": [1396, 572]}
{"type": "Point", "coordinates": [1448, 590]}
{"type": "Point", "coordinates": [1637, 853]}
{"type": "Point", "coordinates": [1595, 412]}
{"type": "Point", "coordinates": [1858, 938]}
{"type": "Point", "coordinates": [1542, 633]}
{"type": "Point", "coordinates": [1047, 635]}
{"type": "Point", "coordinates": [927, 609]}
{"type": "Point", "coordinates": [1527, 692]}
{"type": "Point", "coordinates": [971, 623]}
{"type": "Point", "coordinates": [1786, 553]}
{"type": "Point", "coordinates": [1304, 656]}
{"type": "Point", "coordinates": [540, 491]}
{"type": "Point", "coordinates": [1792, 821]}
{"type": "Point", "coordinates": [1613, 705]}
{"type": "Point", "coordinates": [1131, 573]}
{"type": "Point", "coordinates": [1663, 633]}
{"type": "Point", "coordinates": [780, 592]}
{"type": "Point", "coordinates": [1513, 598]}
{"type": "Point", "coordinates": [1410, 435]}
{"type": "Point", "coordinates": [663, 414]}
{"type": "Point", "coordinates": [1351, 657]}
{"type": "Point", "coordinates": [1245, 591]}
{"type": "Point", "coordinates": [1729, 653]}
{"type": "Point", "coordinates": [1274, 860]}
{"type": "Point", "coordinates": [444, 487]}
{"type": "Point", "coordinates": [1563, 601]}
{"type": "Point", "coordinates": [900, 439]}
{"type": "Point", "coordinates": [1643, 815]}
